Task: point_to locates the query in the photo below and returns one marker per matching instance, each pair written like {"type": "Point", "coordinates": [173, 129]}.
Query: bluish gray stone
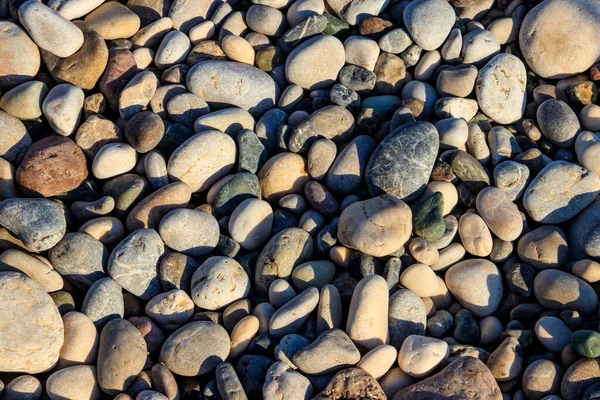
{"type": "Point", "coordinates": [134, 263]}
{"type": "Point", "coordinates": [406, 316]}
{"type": "Point", "coordinates": [584, 233]}
{"type": "Point", "coordinates": [80, 258]}
{"type": "Point", "coordinates": [401, 165]}
{"type": "Point", "coordinates": [39, 223]}
{"type": "Point", "coordinates": [103, 302]}
{"type": "Point", "coordinates": [558, 122]}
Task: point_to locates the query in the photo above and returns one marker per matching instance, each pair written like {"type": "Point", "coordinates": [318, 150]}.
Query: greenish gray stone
{"type": "Point", "coordinates": [251, 152]}
{"type": "Point", "coordinates": [242, 186]}
{"type": "Point", "coordinates": [311, 26]}
{"type": "Point", "coordinates": [336, 27]}
{"type": "Point", "coordinates": [587, 343]}
{"type": "Point", "coordinates": [127, 190]}
{"type": "Point", "coordinates": [175, 135]}
{"type": "Point", "coordinates": [470, 171]}
{"type": "Point", "coordinates": [428, 221]}
{"type": "Point", "coordinates": [466, 328]}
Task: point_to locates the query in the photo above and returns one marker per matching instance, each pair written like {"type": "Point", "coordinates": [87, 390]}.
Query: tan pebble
{"type": "Point", "coordinates": [113, 159]}
{"type": "Point", "coordinates": [113, 20]}
{"type": "Point", "coordinates": [590, 117]}
{"type": "Point", "coordinates": [588, 270]}
{"type": "Point", "coordinates": [448, 191]}
{"type": "Point", "coordinates": [378, 361]}
{"type": "Point", "coordinates": [442, 298]}
{"type": "Point", "coordinates": [74, 383]}
{"type": "Point", "coordinates": [329, 311]}
{"type": "Point", "coordinates": [24, 387]}
{"type": "Point", "coordinates": [264, 312]}
{"type": "Point", "coordinates": [283, 174]}
{"type": "Point", "coordinates": [81, 341]}
{"type": "Point", "coordinates": [235, 312]}
{"type": "Point", "coordinates": [421, 279]}
{"type": "Point", "coordinates": [419, 355]}
{"type": "Point", "coordinates": [41, 272]}
{"type": "Point", "coordinates": [499, 213]}
{"type": "Point", "coordinates": [475, 235]}
{"type": "Point", "coordinates": [280, 292]}
{"type": "Point", "coordinates": [148, 212]}
{"type": "Point", "coordinates": [429, 306]}
{"type": "Point", "coordinates": [8, 187]}
{"type": "Point", "coordinates": [378, 226]}
{"type": "Point", "coordinates": [144, 57]}
{"type": "Point", "coordinates": [152, 34]}
{"type": "Point", "coordinates": [340, 255]}
{"type": "Point", "coordinates": [242, 334]}
{"type": "Point", "coordinates": [449, 256]}
{"type": "Point", "coordinates": [108, 230]}
{"type": "Point", "coordinates": [203, 31]}
{"type": "Point", "coordinates": [423, 251]}
{"type": "Point", "coordinates": [164, 381]}
{"type": "Point", "coordinates": [506, 362]}
{"type": "Point", "coordinates": [367, 323]}
{"type": "Point", "coordinates": [238, 49]}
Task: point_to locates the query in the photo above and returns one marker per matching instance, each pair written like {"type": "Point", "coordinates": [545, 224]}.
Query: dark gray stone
{"type": "Point", "coordinates": [402, 163]}
{"type": "Point", "coordinates": [79, 258]}
{"type": "Point", "coordinates": [357, 78]}
{"type": "Point", "coordinates": [558, 122]}
{"type": "Point", "coordinates": [406, 316]}
{"type": "Point", "coordinates": [243, 185]}
{"type": "Point", "coordinates": [252, 154]}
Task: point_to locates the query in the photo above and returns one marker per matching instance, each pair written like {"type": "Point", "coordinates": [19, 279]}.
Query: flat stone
{"type": "Point", "coordinates": [559, 192]}
{"type": "Point", "coordinates": [52, 166]}
{"type": "Point", "coordinates": [290, 317]}
{"type": "Point", "coordinates": [149, 212]}
{"type": "Point", "coordinates": [544, 247]}
{"type": "Point", "coordinates": [331, 122]}
{"type": "Point", "coordinates": [218, 282]}
{"type": "Point", "coordinates": [559, 290]}
{"type": "Point", "coordinates": [558, 122]}
{"type": "Point", "coordinates": [80, 258]}
{"type": "Point", "coordinates": [103, 302]}
{"type": "Point", "coordinates": [403, 161]}
{"type": "Point", "coordinates": [406, 316]}
{"type": "Point", "coordinates": [420, 16]}
{"type": "Point", "coordinates": [202, 160]}
{"type": "Point", "coordinates": [134, 263]}
{"type": "Point", "coordinates": [60, 384]}
{"type": "Point", "coordinates": [283, 382]}
{"type": "Point", "coordinates": [113, 21]}
{"type": "Point", "coordinates": [191, 232]}
{"type": "Point", "coordinates": [342, 353]}
{"type": "Point", "coordinates": [500, 214]}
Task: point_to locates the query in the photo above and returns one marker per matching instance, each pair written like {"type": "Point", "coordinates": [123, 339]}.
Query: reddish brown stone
{"type": "Point", "coordinates": [374, 27]}
{"type": "Point", "coordinates": [120, 69]}
{"type": "Point", "coordinates": [52, 166]}
{"type": "Point", "coordinates": [595, 72]}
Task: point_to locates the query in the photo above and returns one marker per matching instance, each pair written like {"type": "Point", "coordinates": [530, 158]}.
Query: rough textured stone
{"type": "Point", "coordinates": [33, 344]}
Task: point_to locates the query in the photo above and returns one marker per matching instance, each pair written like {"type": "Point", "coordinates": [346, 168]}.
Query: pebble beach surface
{"type": "Point", "coordinates": [299, 199]}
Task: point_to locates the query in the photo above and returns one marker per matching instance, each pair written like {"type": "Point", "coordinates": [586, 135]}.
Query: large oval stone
{"type": "Point", "coordinates": [31, 330]}
{"type": "Point", "coordinates": [225, 84]}
{"type": "Point", "coordinates": [316, 63]}
{"type": "Point", "coordinates": [402, 163]}
{"type": "Point", "coordinates": [556, 34]}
